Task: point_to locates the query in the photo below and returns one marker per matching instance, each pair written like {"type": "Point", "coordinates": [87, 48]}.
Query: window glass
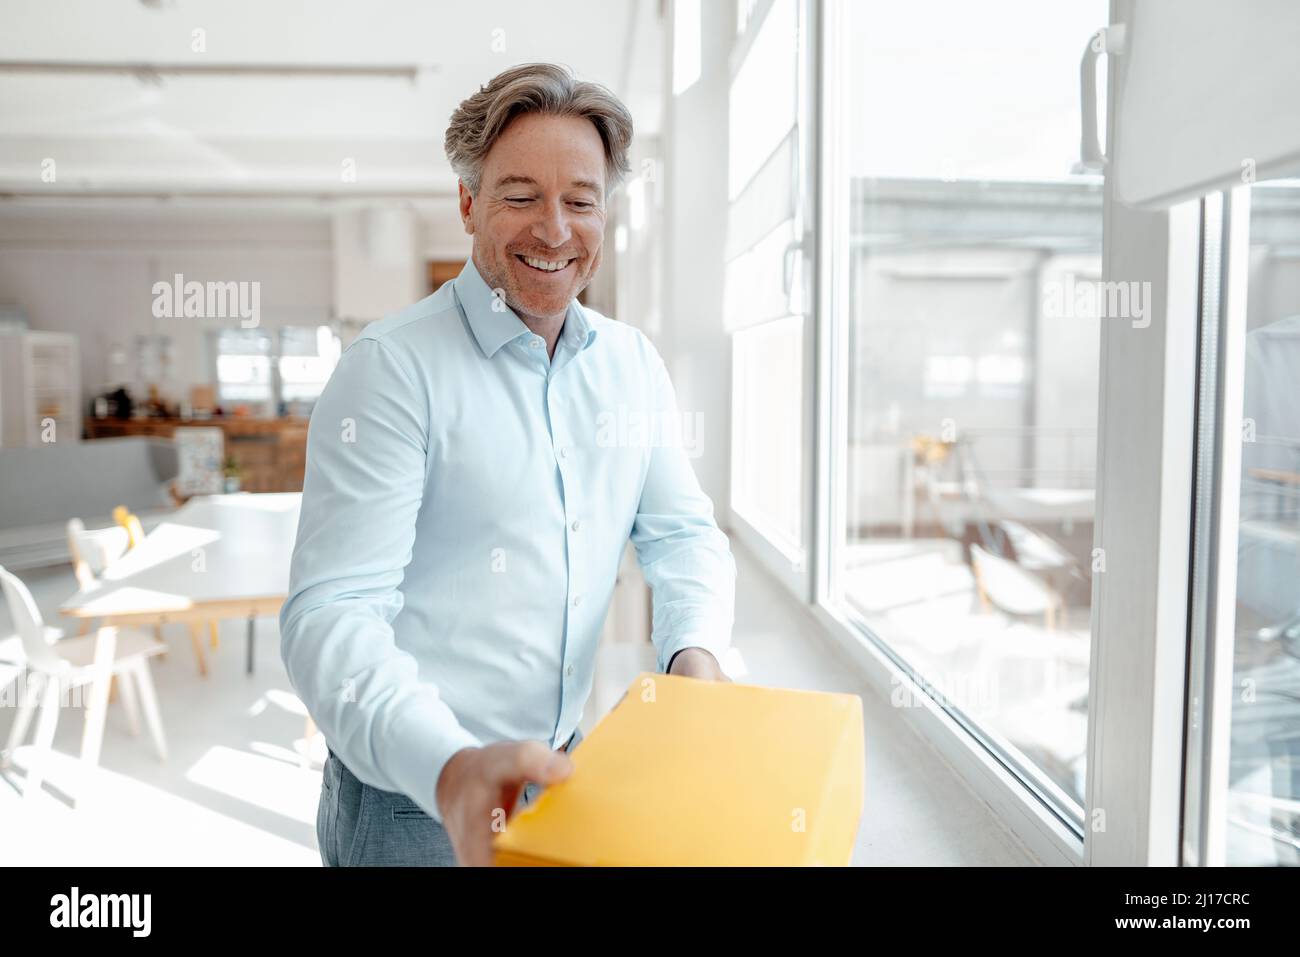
{"type": "Point", "coordinates": [971, 274]}
{"type": "Point", "coordinates": [765, 295]}
{"type": "Point", "coordinates": [767, 471]}
{"type": "Point", "coordinates": [1263, 803]}
{"type": "Point", "coordinates": [244, 369]}
{"type": "Point", "coordinates": [308, 355]}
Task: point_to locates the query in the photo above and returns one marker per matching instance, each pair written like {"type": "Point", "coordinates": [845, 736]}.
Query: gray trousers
{"type": "Point", "coordinates": [358, 825]}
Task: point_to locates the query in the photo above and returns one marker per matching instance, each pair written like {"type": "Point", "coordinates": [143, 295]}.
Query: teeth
{"type": "Point", "coordinates": [545, 264]}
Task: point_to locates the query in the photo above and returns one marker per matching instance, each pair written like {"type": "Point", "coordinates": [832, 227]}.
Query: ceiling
{"type": "Point", "coordinates": [283, 98]}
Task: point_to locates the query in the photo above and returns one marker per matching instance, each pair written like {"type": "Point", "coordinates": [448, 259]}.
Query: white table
{"type": "Point", "coordinates": [1043, 505]}
{"type": "Point", "coordinates": [217, 557]}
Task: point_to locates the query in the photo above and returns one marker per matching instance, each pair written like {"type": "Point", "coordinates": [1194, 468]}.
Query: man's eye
{"type": "Point", "coordinates": [517, 199]}
{"type": "Point", "coordinates": [582, 204]}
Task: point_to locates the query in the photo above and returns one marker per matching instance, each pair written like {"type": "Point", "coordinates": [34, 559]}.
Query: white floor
{"type": "Point", "coordinates": [234, 791]}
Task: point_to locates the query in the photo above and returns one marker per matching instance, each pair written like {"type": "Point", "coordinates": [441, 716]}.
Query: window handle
{"type": "Point", "coordinates": [787, 264]}
{"type": "Point", "coordinates": [1108, 40]}
{"type": "Point", "coordinates": [795, 248]}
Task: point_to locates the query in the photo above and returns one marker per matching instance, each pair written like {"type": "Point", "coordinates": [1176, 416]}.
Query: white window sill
{"type": "Point", "coordinates": [932, 796]}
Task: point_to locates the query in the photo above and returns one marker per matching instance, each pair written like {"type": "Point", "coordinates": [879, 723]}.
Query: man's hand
{"type": "Point", "coordinates": [478, 788]}
{"type": "Point", "coordinates": [696, 663]}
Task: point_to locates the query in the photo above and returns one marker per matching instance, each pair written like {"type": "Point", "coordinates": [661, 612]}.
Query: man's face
{"type": "Point", "coordinates": [540, 205]}
{"type": "Point", "coordinates": [538, 219]}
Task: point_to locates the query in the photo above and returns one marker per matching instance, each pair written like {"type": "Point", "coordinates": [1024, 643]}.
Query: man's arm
{"type": "Point", "coordinates": [683, 554]}
{"type": "Point", "coordinates": [361, 495]}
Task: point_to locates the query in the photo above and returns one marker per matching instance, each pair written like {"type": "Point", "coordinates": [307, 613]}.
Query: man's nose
{"type": "Point", "coordinates": [552, 226]}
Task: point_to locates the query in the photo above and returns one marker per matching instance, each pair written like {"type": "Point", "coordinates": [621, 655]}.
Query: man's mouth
{"type": "Point", "coordinates": [544, 265]}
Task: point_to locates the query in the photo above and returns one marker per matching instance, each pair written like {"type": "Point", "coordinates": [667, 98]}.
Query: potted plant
{"type": "Point", "coordinates": [232, 473]}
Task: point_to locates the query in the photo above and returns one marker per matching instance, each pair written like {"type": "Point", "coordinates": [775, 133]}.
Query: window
{"type": "Point", "coordinates": [308, 356]}
{"type": "Point", "coordinates": [966, 267]}
{"type": "Point", "coordinates": [244, 370]}
{"type": "Point", "coordinates": [1263, 802]}
{"type": "Point", "coordinates": [979, 368]}
{"type": "Point", "coordinates": [686, 45]}
{"type": "Point", "coordinates": [766, 291]}
{"type": "Point", "coordinates": [271, 372]}
{"type": "Point", "coordinates": [768, 363]}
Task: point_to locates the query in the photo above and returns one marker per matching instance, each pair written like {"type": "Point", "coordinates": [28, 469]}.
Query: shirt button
{"type": "Point", "coordinates": [576, 525]}
{"type": "Point", "coordinates": [564, 451]}
{"type": "Point", "coordinates": [577, 600]}
{"type": "Point", "coordinates": [569, 671]}
{"type": "Point", "coordinates": [536, 343]}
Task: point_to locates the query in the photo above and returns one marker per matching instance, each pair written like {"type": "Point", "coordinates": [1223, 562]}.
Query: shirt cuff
{"type": "Point", "coordinates": [424, 756]}
{"type": "Point", "coordinates": [715, 641]}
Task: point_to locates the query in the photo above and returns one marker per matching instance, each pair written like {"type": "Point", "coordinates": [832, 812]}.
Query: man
{"type": "Point", "coordinates": [467, 502]}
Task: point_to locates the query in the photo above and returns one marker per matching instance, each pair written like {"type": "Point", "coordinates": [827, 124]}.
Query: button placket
{"type": "Point", "coordinates": [554, 405]}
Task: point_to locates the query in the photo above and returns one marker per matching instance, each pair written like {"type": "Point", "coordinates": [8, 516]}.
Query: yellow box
{"type": "Point", "coordinates": [690, 772]}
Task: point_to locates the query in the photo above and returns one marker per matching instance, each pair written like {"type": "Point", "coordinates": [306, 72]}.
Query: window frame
{"type": "Point", "coordinates": [1225, 276]}
{"type": "Point", "coordinates": [793, 571]}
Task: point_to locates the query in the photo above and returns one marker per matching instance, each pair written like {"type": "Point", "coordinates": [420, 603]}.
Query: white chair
{"type": "Point", "coordinates": [56, 665]}
{"type": "Point", "coordinates": [1011, 588]}
{"type": "Point", "coordinates": [1034, 550]}
{"type": "Point", "coordinates": [93, 550]}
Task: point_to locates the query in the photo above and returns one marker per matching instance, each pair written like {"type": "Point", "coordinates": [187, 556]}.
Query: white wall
{"type": "Point", "coordinates": [444, 235]}
{"type": "Point", "coordinates": [376, 269]}
{"type": "Point", "coordinates": [92, 274]}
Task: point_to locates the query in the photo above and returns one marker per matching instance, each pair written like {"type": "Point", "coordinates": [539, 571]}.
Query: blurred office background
{"type": "Point", "coordinates": [857, 248]}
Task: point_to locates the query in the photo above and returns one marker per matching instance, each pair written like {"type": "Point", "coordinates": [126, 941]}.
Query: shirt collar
{"type": "Point", "coordinates": [494, 323]}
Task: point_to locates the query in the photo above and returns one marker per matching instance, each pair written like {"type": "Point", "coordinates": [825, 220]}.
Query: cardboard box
{"type": "Point", "coordinates": [689, 772]}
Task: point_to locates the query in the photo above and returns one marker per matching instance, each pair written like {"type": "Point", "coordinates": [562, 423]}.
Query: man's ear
{"type": "Point", "coordinates": [466, 201]}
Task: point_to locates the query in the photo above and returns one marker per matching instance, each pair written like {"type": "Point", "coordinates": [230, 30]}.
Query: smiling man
{"type": "Point", "coordinates": [464, 510]}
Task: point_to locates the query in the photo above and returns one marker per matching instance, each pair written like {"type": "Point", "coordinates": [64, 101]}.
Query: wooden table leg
{"type": "Point", "coordinates": [196, 639]}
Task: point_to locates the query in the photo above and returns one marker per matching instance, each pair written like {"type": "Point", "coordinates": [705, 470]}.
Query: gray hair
{"type": "Point", "coordinates": [545, 88]}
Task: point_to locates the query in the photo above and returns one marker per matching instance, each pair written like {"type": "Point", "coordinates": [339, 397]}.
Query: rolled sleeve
{"type": "Point", "coordinates": [362, 493]}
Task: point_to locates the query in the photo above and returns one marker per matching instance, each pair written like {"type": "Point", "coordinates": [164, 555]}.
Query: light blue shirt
{"type": "Point", "coordinates": [465, 508]}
